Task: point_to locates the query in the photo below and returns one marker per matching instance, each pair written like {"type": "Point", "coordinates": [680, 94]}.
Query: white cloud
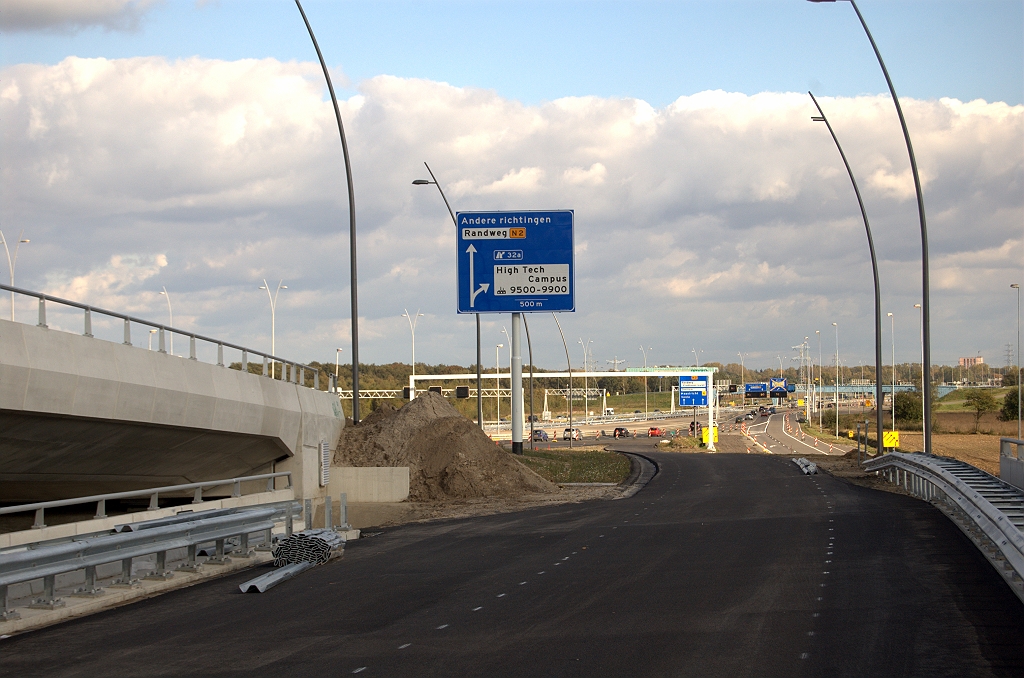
{"type": "Point", "coordinates": [723, 220]}
{"type": "Point", "coordinates": [72, 15]}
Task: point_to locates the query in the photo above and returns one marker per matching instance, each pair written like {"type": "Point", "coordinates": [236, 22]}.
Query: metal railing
{"type": "Point", "coordinates": [1011, 461]}
{"type": "Point", "coordinates": [153, 493]}
{"type": "Point", "coordinates": [187, 530]}
{"type": "Point", "coordinates": [291, 371]}
{"type": "Point", "coordinates": [989, 511]}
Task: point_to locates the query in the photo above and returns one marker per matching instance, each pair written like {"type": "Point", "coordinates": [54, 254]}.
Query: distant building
{"type": "Point", "coordinates": [972, 362]}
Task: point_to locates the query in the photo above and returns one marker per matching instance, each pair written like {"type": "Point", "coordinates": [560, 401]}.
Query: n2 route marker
{"type": "Point", "coordinates": [515, 262]}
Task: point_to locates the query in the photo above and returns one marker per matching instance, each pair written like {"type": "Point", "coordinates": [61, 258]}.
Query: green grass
{"type": "Point", "coordinates": [587, 465]}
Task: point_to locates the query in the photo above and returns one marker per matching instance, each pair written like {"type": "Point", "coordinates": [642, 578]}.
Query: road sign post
{"type": "Point", "coordinates": [515, 262]}
{"type": "Point", "coordinates": [697, 389]}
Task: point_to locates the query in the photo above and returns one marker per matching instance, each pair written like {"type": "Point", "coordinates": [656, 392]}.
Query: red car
{"type": "Point", "coordinates": [654, 432]}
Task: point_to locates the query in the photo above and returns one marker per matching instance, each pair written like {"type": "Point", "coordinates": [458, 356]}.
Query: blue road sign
{"type": "Point", "coordinates": [693, 390]}
{"type": "Point", "coordinates": [515, 262]}
{"type": "Point", "coordinates": [756, 388]}
{"type": "Point", "coordinates": [777, 386]}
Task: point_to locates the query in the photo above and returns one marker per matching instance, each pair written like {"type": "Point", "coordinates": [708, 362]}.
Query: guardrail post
{"type": "Point", "coordinates": [245, 360]}
{"type": "Point", "coordinates": [190, 564]}
{"type": "Point", "coordinates": [243, 550]}
{"type": "Point", "coordinates": [154, 501]}
{"type": "Point", "coordinates": [39, 522]}
{"type": "Point", "coordinates": [265, 366]}
{"type": "Point", "coordinates": [236, 489]}
{"type": "Point", "coordinates": [42, 313]}
{"type": "Point", "coordinates": [125, 581]}
{"type": "Point", "coordinates": [328, 513]}
{"type": "Point", "coordinates": [270, 484]}
{"type": "Point", "coordinates": [268, 540]}
{"type": "Point", "coordinates": [88, 323]}
{"type": "Point", "coordinates": [289, 525]}
{"type": "Point", "coordinates": [47, 601]}
{"type": "Point", "coordinates": [6, 613]}
{"type": "Point", "coordinates": [220, 355]}
{"type": "Point", "coordinates": [289, 477]}
{"type": "Point", "coordinates": [316, 380]}
{"type": "Point", "coordinates": [220, 558]}
{"type": "Point", "coordinates": [161, 572]}
{"type": "Point", "coordinates": [344, 513]}
{"type": "Point", "coordinates": [161, 347]}
{"type": "Point", "coordinates": [89, 588]}
{"type": "Point", "coordinates": [192, 347]}
{"type": "Point", "coordinates": [197, 497]}
{"type": "Point", "coordinates": [308, 516]}
{"type": "Point", "coordinates": [101, 509]}
{"type": "Point", "coordinates": [127, 332]}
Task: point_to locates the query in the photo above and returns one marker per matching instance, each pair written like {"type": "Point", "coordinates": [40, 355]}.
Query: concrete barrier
{"type": "Point", "coordinates": [370, 484]}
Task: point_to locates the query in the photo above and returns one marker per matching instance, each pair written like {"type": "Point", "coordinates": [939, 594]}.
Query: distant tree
{"type": "Point", "coordinates": [1008, 412]}
{"type": "Point", "coordinates": [907, 407]}
{"type": "Point", "coordinates": [1010, 379]}
{"type": "Point", "coordinates": [981, 401]}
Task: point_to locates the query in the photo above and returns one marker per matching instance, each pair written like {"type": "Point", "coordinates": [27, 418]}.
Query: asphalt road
{"type": "Point", "coordinates": [771, 432]}
{"type": "Point", "coordinates": [724, 565]}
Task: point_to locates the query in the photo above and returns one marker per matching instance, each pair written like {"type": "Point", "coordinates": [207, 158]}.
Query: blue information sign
{"type": "Point", "coordinates": [693, 390]}
{"type": "Point", "coordinates": [777, 387]}
{"type": "Point", "coordinates": [515, 262]}
{"type": "Point", "coordinates": [757, 388]}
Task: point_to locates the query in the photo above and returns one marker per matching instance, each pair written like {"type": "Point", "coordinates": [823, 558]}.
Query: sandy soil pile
{"type": "Point", "coordinates": [448, 456]}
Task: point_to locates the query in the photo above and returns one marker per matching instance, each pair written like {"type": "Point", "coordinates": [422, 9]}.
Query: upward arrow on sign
{"type": "Point", "coordinates": [483, 286]}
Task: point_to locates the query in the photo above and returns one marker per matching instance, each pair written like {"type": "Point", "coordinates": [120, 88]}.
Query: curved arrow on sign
{"type": "Point", "coordinates": [483, 286]}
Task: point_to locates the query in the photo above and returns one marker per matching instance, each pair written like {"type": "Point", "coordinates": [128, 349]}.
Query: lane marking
{"type": "Point", "coordinates": [502, 595]}
{"type": "Point", "coordinates": [477, 609]}
{"type": "Point", "coordinates": [444, 626]}
{"type": "Point", "coordinates": [360, 669]}
{"type": "Point", "coordinates": [402, 647]}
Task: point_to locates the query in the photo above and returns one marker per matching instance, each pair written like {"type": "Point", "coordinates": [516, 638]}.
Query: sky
{"type": "Point", "coordinates": [192, 146]}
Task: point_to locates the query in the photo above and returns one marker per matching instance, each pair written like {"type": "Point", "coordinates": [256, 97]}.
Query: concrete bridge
{"type": "Point", "coordinates": [81, 415]}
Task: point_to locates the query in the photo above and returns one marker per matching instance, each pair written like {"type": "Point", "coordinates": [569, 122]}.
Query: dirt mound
{"type": "Point", "coordinates": [448, 456]}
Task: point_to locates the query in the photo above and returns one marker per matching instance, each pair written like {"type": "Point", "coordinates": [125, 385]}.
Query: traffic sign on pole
{"type": "Point", "coordinates": [693, 390]}
{"type": "Point", "coordinates": [515, 262]}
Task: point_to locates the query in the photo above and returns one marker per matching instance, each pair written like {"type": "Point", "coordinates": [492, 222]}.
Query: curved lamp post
{"type": "Point", "coordinates": [497, 386]}
{"type": "Point", "coordinates": [412, 329]}
{"type": "Point", "coordinates": [569, 363]}
{"type": "Point", "coordinates": [586, 384]}
{"type": "Point", "coordinates": [892, 334]}
{"type": "Point", "coordinates": [351, 221]}
{"type": "Point", "coordinates": [1015, 286]}
{"type": "Point", "coordinates": [479, 367]}
{"type": "Point", "coordinates": [646, 413]}
{"type": "Point", "coordinates": [874, 274]}
{"type": "Point", "coordinates": [926, 340]}
{"type": "Point", "coordinates": [170, 317]}
{"type": "Point", "coordinates": [273, 323]}
{"type": "Point", "coordinates": [836, 325]}
{"type": "Point", "coordinates": [11, 263]}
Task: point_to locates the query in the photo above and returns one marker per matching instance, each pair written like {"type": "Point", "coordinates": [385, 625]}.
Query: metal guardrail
{"type": "Point", "coordinates": [46, 560]}
{"type": "Point", "coordinates": [989, 511]}
{"type": "Point", "coordinates": [153, 493]}
{"type": "Point", "coordinates": [1011, 461]}
{"type": "Point", "coordinates": [291, 371]}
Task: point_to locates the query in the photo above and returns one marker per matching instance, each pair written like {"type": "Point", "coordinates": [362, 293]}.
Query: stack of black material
{"type": "Point", "coordinates": [308, 546]}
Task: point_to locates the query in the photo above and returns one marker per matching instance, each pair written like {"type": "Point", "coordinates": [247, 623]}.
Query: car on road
{"type": "Point", "coordinates": [750, 416]}
{"type": "Point", "coordinates": [654, 432]}
{"type": "Point", "coordinates": [540, 436]}
{"type": "Point", "coordinates": [621, 432]}
{"type": "Point", "coordinates": [801, 419]}
{"type": "Point", "coordinates": [739, 419]}
{"type": "Point", "coordinates": [574, 433]}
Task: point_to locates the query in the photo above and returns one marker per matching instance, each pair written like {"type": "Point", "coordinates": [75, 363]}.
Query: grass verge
{"type": "Point", "coordinates": [579, 465]}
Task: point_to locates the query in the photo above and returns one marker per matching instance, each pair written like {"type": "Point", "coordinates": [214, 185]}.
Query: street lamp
{"type": "Point", "coordinates": [11, 263]}
{"type": "Point", "coordinates": [646, 413]}
{"type": "Point", "coordinates": [1016, 286]}
{"type": "Point", "coordinates": [892, 334]}
{"type": "Point", "coordinates": [836, 325]}
{"type": "Point", "coordinates": [874, 273]}
{"type": "Point", "coordinates": [412, 329]}
{"type": "Point", "coordinates": [497, 385]}
{"type": "Point", "coordinates": [924, 390]}
{"type": "Point", "coordinates": [337, 356]}
{"type": "Point", "coordinates": [273, 324]}
{"type": "Point", "coordinates": [926, 342]}
{"type": "Point", "coordinates": [479, 367]}
{"type": "Point", "coordinates": [351, 223]}
{"type": "Point", "coordinates": [780, 365]}
{"type": "Point", "coordinates": [586, 398]}
{"type": "Point", "coordinates": [170, 318]}
{"type": "Point", "coordinates": [743, 386]}
{"type": "Point", "coordinates": [696, 358]}
{"type": "Point", "coordinates": [820, 381]}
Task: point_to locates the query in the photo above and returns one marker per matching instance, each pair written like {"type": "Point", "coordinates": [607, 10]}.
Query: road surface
{"type": "Point", "coordinates": [723, 565]}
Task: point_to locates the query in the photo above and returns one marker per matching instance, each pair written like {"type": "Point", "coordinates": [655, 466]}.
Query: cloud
{"type": "Point", "coordinates": [722, 220]}
{"type": "Point", "coordinates": [73, 15]}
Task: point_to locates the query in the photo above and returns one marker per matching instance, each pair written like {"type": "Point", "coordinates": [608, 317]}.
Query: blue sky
{"type": "Point", "coordinates": [537, 51]}
{"type": "Point", "coordinates": [710, 211]}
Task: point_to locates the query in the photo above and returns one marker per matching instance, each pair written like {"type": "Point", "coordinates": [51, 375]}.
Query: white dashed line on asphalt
{"type": "Point", "coordinates": [402, 647]}
{"type": "Point", "coordinates": [444, 626]}
{"type": "Point", "coordinates": [477, 609]}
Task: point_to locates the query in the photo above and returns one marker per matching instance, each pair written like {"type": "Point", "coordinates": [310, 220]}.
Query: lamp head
{"type": "Point", "coordinates": [421, 182]}
{"type": "Point", "coordinates": [917, 305]}
{"type": "Point", "coordinates": [817, 118]}
{"type": "Point", "coordinates": [1013, 285]}
{"type": "Point", "coordinates": [500, 346]}
{"type": "Point", "coordinates": [889, 314]}
{"type": "Point", "coordinates": [25, 240]}
{"type": "Point", "coordinates": [835, 324]}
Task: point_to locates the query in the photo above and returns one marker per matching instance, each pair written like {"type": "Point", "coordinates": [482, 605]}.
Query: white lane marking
{"type": "Point", "coordinates": [477, 609]}
{"type": "Point", "coordinates": [501, 595]}
{"type": "Point", "coordinates": [402, 647]}
{"type": "Point", "coordinates": [566, 558]}
{"type": "Point", "coordinates": [444, 626]}
{"type": "Point", "coordinates": [360, 669]}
